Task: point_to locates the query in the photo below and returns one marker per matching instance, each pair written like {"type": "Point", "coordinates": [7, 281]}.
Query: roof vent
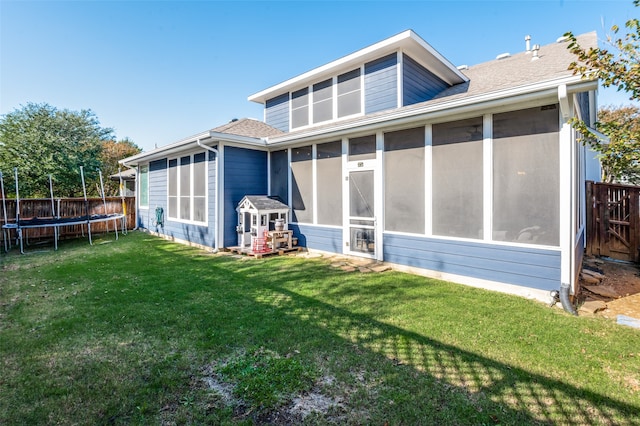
{"type": "Point", "coordinates": [562, 39]}
{"type": "Point", "coordinates": [536, 48]}
{"type": "Point", "coordinates": [527, 40]}
{"type": "Point", "coordinates": [463, 67]}
{"type": "Point", "coordinates": [233, 120]}
{"type": "Point", "coordinates": [503, 56]}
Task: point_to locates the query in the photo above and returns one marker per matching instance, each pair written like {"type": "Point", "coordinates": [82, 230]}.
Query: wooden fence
{"type": "Point", "coordinates": [613, 221]}
{"type": "Point", "coordinates": [66, 207]}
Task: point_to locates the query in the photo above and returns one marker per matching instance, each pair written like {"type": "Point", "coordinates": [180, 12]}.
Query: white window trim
{"type": "Point", "coordinates": [140, 205]}
{"type": "Point", "coordinates": [334, 102]}
{"type": "Point", "coordinates": [176, 218]}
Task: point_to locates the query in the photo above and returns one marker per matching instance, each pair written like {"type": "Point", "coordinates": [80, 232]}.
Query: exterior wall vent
{"type": "Point", "coordinates": [503, 56]}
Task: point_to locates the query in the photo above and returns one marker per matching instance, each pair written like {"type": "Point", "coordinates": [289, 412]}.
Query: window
{"type": "Point", "coordinates": [404, 180]}
{"type": "Point", "coordinates": [143, 195]}
{"type": "Point", "coordinates": [349, 93]}
{"type": "Point", "coordinates": [300, 108]}
{"type": "Point", "coordinates": [187, 188]}
{"type": "Point", "coordinates": [323, 101]}
{"type": "Point", "coordinates": [457, 202]}
{"type": "Point", "coordinates": [526, 175]}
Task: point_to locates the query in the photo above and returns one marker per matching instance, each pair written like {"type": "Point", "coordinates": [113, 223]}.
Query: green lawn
{"type": "Point", "coordinates": [145, 331]}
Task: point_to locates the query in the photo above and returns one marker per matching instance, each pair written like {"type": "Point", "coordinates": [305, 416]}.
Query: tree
{"type": "Point", "coordinates": [619, 68]}
{"type": "Point", "coordinates": [620, 158]}
{"type": "Point", "coordinates": [113, 151]}
{"type": "Point", "coordinates": [41, 140]}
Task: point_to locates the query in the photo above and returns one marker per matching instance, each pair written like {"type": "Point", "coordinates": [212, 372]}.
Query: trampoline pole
{"type": "Point", "coordinates": [86, 204]}
{"type": "Point", "coordinates": [4, 212]}
{"type": "Point", "coordinates": [124, 206]}
{"type": "Point", "coordinates": [53, 214]}
{"type": "Point", "coordinates": [19, 230]}
{"type": "Point", "coordinates": [104, 202]}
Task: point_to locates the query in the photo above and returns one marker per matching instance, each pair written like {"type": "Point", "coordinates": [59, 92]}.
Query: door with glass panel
{"type": "Point", "coordinates": [362, 220]}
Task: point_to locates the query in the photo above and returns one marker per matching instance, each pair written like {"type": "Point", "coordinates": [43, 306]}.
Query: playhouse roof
{"type": "Point", "coordinates": [264, 202]}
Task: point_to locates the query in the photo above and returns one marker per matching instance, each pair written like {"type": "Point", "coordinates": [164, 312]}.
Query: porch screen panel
{"type": "Point", "coordinates": [363, 148]}
{"type": "Point", "coordinates": [199, 187]}
{"type": "Point", "coordinates": [172, 189]}
{"type": "Point", "coordinates": [457, 209]}
{"type": "Point", "coordinates": [404, 181]}
{"type": "Point", "coordinates": [526, 176]}
{"type": "Point", "coordinates": [280, 175]}
{"type": "Point", "coordinates": [329, 178]}
{"type": "Point", "coordinates": [185, 188]}
{"type": "Point", "coordinates": [361, 194]}
{"type": "Point", "coordinates": [302, 184]}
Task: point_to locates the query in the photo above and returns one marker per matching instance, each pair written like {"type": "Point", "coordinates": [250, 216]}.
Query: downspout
{"type": "Point", "coordinates": [215, 218]}
{"type": "Point", "coordinates": [565, 287]}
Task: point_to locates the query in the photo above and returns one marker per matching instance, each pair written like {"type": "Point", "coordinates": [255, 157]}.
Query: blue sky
{"type": "Point", "coordinates": [160, 71]}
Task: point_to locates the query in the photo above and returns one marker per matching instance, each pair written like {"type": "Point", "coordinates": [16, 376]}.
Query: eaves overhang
{"type": "Point", "coordinates": [208, 138]}
{"type": "Point", "coordinates": [434, 110]}
{"type": "Point", "coordinates": [408, 42]}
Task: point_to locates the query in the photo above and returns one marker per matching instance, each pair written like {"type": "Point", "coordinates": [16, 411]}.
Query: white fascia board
{"type": "Point", "coordinates": [407, 41]}
{"type": "Point", "coordinates": [440, 109]}
{"type": "Point", "coordinates": [183, 144]}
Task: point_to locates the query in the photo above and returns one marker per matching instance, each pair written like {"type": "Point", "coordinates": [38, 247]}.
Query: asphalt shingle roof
{"type": "Point", "coordinates": [263, 202]}
{"type": "Point", "coordinates": [248, 127]}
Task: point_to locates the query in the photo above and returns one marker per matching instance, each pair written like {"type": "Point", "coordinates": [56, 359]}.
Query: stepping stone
{"type": "Point", "coordinates": [593, 306]}
{"type": "Point", "coordinates": [381, 268]}
{"type": "Point", "coordinates": [603, 291]}
{"type": "Point", "coordinates": [348, 268]}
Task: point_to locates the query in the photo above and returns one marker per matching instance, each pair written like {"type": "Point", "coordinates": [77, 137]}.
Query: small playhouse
{"type": "Point", "coordinates": [263, 225]}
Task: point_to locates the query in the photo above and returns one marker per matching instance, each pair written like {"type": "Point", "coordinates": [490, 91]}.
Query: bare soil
{"type": "Point", "coordinates": [621, 280]}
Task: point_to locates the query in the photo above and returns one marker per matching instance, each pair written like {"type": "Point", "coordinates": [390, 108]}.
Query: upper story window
{"type": "Point", "coordinates": [327, 100]}
{"type": "Point", "coordinates": [323, 101]}
{"type": "Point", "coordinates": [300, 108]}
{"type": "Point", "coordinates": [143, 193]}
{"type": "Point", "coordinates": [349, 93]}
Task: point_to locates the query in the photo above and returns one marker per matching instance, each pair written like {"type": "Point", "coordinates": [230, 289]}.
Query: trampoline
{"type": "Point", "coordinates": [56, 221]}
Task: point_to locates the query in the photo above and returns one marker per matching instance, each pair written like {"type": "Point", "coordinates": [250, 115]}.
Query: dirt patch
{"type": "Point", "coordinates": [619, 289]}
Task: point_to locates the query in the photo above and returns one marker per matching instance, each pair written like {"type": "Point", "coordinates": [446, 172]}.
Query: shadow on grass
{"type": "Point", "coordinates": [527, 396]}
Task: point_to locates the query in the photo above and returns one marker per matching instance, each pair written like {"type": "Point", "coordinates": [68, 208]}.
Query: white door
{"type": "Point", "coordinates": [361, 237]}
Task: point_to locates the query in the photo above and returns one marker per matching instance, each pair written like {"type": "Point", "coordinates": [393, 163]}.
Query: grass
{"type": "Point", "coordinates": [144, 331]}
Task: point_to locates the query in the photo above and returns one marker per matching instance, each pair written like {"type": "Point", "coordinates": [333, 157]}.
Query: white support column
{"type": "Point", "coordinates": [345, 196]}
{"type": "Point", "coordinates": [378, 177]}
{"type": "Point", "coordinates": [428, 180]}
{"type": "Point", "coordinates": [567, 236]}
{"type": "Point", "coordinates": [487, 176]}
{"type": "Point", "coordinates": [314, 180]}
{"type": "Point", "coordinates": [289, 185]}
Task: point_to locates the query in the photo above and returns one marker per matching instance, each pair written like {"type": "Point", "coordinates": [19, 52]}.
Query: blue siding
{"type": "Point", "coordinates": [528, 267]}
{"type": "Point", "coordinates": [381, 84]}
{"type": "Point", "coordinates": [245, 173]}
{"type": "Point", "coordinates": [418, 83]}
{"type": "Point", "coordinates": [199, 234]}
{"type": "Point", "coordinates": [318, 238]}
{"type": "Point", "coordinates": [277, 112]}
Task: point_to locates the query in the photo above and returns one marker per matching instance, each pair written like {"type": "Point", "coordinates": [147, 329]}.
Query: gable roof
{"type": "Point", "coordinates": [407, 41]}
{"type": "Point", "coordinates": [494, 81]}
{"type": "Point", "coordinates": [248, 127]}
{"type": "Point", "coordinates": [264, 202]}
{"type": "Point", "coordinates": [244, 131]}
